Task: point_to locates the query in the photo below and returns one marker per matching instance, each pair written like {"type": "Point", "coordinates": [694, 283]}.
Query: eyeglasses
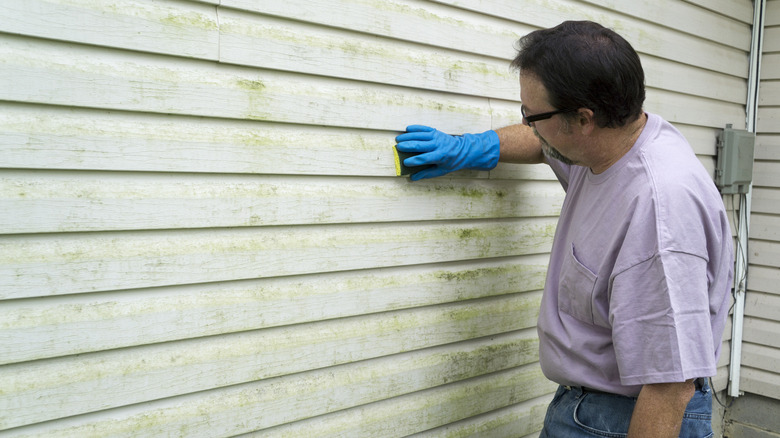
{"type": "Point", "coordinates": [542, 116]}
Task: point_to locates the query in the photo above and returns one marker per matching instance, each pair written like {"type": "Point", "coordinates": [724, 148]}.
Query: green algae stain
{"type": "Point", "coordinates": [476, 274]}
{"type": "Point", "coordinates": [470, 233]}
{"type": "Point", "coordinates": [472, 192]}
{"type": "Point", "coordinates": [251, 85]}
{"type": "Point", "coordinates": [258, 102]}
{"type": "Point", "coordinates": [190, 19]}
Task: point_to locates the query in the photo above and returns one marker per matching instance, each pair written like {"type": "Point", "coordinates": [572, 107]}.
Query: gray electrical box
{"type": "Point", "coordinates": [734, 171]}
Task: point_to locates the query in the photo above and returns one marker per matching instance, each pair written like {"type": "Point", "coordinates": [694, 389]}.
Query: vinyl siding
{"type": "Point", "coordinates": [761, 348]}
{"type": "Point", "coordinates": [201, 233]}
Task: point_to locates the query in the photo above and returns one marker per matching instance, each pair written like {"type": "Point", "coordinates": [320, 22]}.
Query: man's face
{"type": "Point", "coordinates": [535, 100]}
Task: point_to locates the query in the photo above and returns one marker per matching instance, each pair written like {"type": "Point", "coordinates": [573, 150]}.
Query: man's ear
{"type": "Point", "coordinates": [586, 121]}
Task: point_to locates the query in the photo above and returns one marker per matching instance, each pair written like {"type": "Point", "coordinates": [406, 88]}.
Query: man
{"type": "Point", "coordinates": [637, 288]}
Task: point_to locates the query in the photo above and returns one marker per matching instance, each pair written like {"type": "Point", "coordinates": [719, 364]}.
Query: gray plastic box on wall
{"type": "Point", "coordinates": [734, 171]}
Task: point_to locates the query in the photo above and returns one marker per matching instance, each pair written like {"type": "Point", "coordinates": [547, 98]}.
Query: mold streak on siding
{"type": "Point", "coordinates": [761, 350]}
{"type": "Point", "coordinates": [201, 233]}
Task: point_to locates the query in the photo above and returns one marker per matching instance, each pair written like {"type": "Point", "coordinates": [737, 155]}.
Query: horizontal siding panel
{"type": "Point", "coordinates": [523, 172]}
{"type": "Point", "coordinates": [420, 411]}
{"type": "Point", "coordinates": [646, 37]}
{"type": "Point", "coordinates": [285, 45]}
{"type": "Point", "coordinates": [112, 201]}
{"type": "Point", "coordinates": [762, 332]}
{"type": "Point", "coordinates": [764, 279]}
{"type": "Point", "coordinates": [741, 10]}
{"type": "Point", "coordinates": [60, 326]}
{"type": "Point", "coordinates": [760, 382]}
{"type": "Point", "coordinates": [41, 137]}
{"type": "Point", "coordinates": [690, 18]}
{"type": "Point", "coordinates": [159, 26]}
{"type": "Point", "coordinates": [516, 420]}
{"type": "Point", "coordinates": [702, 139]}
{"type": "Point", "coordinates": [771, 40]}
{"type": "Point", "coordinates": [427, 23]}
{"type": "Point", "coordinates": [681, 78]}
{"type": "Point", "coordinates": [769, 93]}
{"type": "Point", "coordinates": [495, 36]}
{"type": "Point", "coordinates": [762, 305]}
{"type": "Point", "coordinates": [765, 200]}
{"type": "Point", "coordinates": [772, 13]}
{"type": "Point", "coordinates": [265, 42]}
{"type": "Point", "coordinates": [769, 119]}
{"type": "Point", "coordinates": [269, 43]}
{"type": "Point", "coordinates": [766, 174]}
{"type": "Point", "coordinates": [765, 227]}
{"type": "Point", "coordinates": [271, 402]}
{"type": "Point", "coordinates": [62, 74]}
{"type": "Point", "coordinates": [770, 66]}
{"type": "Point", "coordinates": [392, 417]}
{"type": "Point", "coordinates": [84, 139]}
{"type": "Point", "coordinates": [765, 253]}
{"type": "Point", "coordinates": [44, 265]}
{"type": "Point", "coordinates": [691, 110]}
{"type": "Point", "coordinates": [760, 357]}
{"type": "Point", "coordinates": [767, 147]}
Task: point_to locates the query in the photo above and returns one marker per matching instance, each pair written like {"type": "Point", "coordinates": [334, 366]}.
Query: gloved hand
{"type": "Point", "coordinates": [447, 153]}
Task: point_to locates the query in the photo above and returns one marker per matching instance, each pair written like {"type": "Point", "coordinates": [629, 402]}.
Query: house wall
{"type": "Point", "coordinates": [752, 416]}
{"type": "Point", "coordinates": [202, 233]}
{"type": "Point", "coordinates": [760, 373]}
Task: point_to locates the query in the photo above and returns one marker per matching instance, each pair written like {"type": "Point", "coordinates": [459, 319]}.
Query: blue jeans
{"type": "Point", "coordinates": [574, 413]}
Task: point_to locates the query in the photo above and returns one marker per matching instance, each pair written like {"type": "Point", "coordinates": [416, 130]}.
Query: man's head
{"type": "Point", "coordinates": [585, 65]}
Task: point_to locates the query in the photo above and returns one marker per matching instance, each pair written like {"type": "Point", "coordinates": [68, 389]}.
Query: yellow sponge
{"type": "Point", "coordinates": [400, 168]}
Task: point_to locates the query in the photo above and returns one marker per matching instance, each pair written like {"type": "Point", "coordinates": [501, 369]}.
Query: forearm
{"type": "Point", "coordinates": [659, 410]}
{"type": "Point", "coordinates": [519, 144]}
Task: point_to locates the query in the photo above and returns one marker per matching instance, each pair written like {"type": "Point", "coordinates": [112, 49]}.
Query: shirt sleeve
{"type": "Point", "coordinates": [661, 328]}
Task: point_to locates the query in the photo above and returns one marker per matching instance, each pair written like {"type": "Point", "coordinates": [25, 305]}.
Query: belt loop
{"type": "Point", "coordinates": [701, 384]}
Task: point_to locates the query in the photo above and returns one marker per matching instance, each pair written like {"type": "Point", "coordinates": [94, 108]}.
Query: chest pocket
{"type": "Point", "coordinates": [575, 288]}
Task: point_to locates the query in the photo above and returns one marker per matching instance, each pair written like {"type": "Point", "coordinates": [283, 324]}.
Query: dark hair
{"type": "Point", "coordinates": [582, 64]}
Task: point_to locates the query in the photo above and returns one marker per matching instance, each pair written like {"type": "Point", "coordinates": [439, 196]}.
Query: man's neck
{"type": "Point", "coordinates": [615, 143]}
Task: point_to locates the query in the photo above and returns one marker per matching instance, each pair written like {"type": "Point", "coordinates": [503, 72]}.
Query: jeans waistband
{"type": "Point", "coordinates": [700, 384]}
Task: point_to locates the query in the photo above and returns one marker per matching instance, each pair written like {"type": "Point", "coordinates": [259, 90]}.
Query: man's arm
{"type": "Point", "coordinates": [659, 410]}
{"type": "Point", "coordinates": [448, 153]}
{"type": "Point", "coordinates": [519, 144]}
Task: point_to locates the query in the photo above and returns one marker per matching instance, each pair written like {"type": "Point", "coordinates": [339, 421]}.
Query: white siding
{"type": "Point", "coordinates": [201, 233]}
{"type": "Point", "coordinates": [761, 350]}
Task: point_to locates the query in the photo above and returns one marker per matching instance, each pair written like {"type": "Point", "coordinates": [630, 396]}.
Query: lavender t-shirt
{"type": "Point", "coordinates": [640, 271]}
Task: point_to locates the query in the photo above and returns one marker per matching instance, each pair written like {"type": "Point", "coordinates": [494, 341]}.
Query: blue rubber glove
{"type": "Point", "coordinates": [447, 153]}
